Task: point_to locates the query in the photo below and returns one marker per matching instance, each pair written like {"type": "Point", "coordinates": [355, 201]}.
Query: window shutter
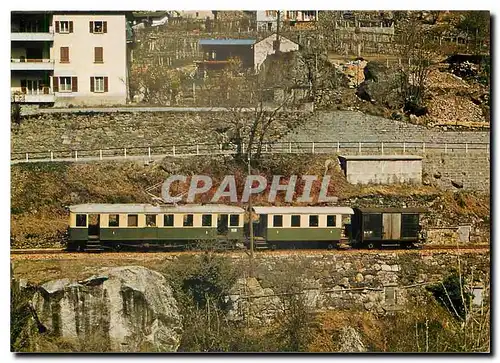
{"type": "Point", "coordinates": [57, 27]}
{"type": "Point", "coordinates": [71, 27]}
{"type": "Point", "coordinates": [55, 84]}
{"type": "Point", "coordinates": [64, 52]}
{"type": "Point", "coordinates": [104, 26]}
{"type": "Point", "coordinates": [105, 84]}
{"type": "Point", "coordinates": [91, 26]}
{"type": "Point", "coordinates": [74, 84]}
{"type": "Point", "coordinates": [91, 84]}
{"type": "Point", "coordinates": [98, 56]}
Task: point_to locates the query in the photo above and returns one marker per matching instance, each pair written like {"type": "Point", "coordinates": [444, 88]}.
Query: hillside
{"type": "Point", "coordinates": [41, 192]}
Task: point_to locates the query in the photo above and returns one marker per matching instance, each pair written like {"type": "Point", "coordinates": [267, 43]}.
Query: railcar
{"type": "Point", "coordinates": [375, 227]}
{"type": "Point", "coordinates": [301, 227]}
{"type": "Point", "coordinates": [95, 227]}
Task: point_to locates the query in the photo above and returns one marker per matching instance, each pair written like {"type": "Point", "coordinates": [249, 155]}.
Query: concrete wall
{"type": "Point", "coordinates": [382, 171]}
{"type": "Point", "coordinates": [81, 64]}
{"type": "Point", "coordinates": [265, 47]}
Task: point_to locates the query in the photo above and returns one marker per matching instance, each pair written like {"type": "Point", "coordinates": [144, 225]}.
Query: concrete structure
{"type": "Point", "coordinates": [266, 47]}
{"type": "Point", "coordinates": [218, 52]}
{"type": "Point", "coordinates": [382, 169]}
{"type": "Point", "coordinates": [69, 58]}
{"type": "Point", "coordinates": [267, 20]}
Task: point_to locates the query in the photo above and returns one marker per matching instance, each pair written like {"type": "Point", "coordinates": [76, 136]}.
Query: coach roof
{"type": "Point", "coordinates": [303, 210]}
{"type": "Point", "coordinates": [148, 208]}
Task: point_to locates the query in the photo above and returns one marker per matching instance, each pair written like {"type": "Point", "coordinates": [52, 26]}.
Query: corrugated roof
{"type": "Point", "coordinates": [148, 208]}
{"type": "Point", "coordinates": [393, 210]}
{"type": "Point", "coordinates": [227, 41]}
{"type": "Point", "coordinates": [380, 157]}
{"type": "Point", "coordinates": [303, 210]}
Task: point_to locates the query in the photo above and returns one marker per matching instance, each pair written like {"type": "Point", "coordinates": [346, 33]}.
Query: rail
{"type": "Point", "coordinates": [153, 152]}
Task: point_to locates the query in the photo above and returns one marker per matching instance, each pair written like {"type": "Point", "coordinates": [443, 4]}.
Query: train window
{"type": "Point", "coordinates": [278, 221]}
{"type": "Point", "coordinates": [206, 220]}
{"type": "Point", "coordinates": [81, 220]}
{"type": "Point", "coordinates": [114, 220]}
{"type": "Point", "coordinates": [372, 225]}
{"type": "Point", "coordinates": [150, 220]}
{"type": "Point", "coordinates": [132, 220]}
{"type": "Point", "coordinates": [295, 221]}
{"type": "Point", "coordinates": [234, 220]}
{"type": "Point", "coordinates": [168, 220]}
{"type": "Point", "coordinates": [313, 221]}
{"type": "Point", "coordinates": [409, 225]}
{"type": "Point", "coordinates": [188, 220]}
{"type": "Point", "coordinates": [331, 221]}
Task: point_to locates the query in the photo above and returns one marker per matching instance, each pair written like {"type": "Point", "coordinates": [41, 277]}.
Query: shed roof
{"type": "Point", "coordinates": [393, 210]}
{"type": "Point", "coordinates": [148, 208]}
{"type": "Point", "coordinates": [380, 157]}
{"type": "Point", "coordinates": [303, 210]}
{"type": "Point", "coordinates": [226, 41]}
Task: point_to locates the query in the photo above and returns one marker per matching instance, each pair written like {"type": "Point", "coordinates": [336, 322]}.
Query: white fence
{"type": "Point", "coordinates": [321, 147]}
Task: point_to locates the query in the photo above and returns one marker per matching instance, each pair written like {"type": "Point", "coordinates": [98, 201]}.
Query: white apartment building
{"type": "Point", "coordinates": [69, 58]}
{"type": "Point", "coordinates": [267, 19]}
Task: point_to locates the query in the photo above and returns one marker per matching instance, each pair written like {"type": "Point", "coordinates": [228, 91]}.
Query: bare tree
{"type": "Point", "coordinates": [253, 101]}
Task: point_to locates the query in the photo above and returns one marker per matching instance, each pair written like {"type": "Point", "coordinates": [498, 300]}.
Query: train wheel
{"type": "Point", "coordinates": [274, 247]}
{"type": "Point", "coordinates": [117, 247]}
{"type": "Point", "coordinates": [370, 245]}
{"type": "Point", "coordinates": [330, 246]}
{"type": "Point", "coordinates": [408, 246]}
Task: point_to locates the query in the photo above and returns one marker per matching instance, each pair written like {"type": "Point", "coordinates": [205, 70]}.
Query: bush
{"type": "Point", "coordinates": [452, 295]}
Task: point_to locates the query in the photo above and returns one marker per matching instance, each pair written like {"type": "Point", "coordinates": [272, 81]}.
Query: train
{"type": "Point", "coordinates": [100, 227]}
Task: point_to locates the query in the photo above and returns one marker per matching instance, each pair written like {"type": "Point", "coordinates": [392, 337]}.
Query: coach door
{"type": "Point", "coordinates": [391, 223]}
{"type": "Point", "coordinates": [222, 224]}
{"type": "Point", "coordinates": [94, 224]}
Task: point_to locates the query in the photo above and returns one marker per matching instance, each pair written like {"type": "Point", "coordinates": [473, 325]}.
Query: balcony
{"type": "Point", "coordinates": [31, 64]}
{"type": "Point", "coordinates": [42, 95]}
{"type": "Point", "coordinates": [32, 36]}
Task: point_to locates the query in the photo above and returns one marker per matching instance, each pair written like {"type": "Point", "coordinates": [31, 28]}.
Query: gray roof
{"type": "Point", "coordinates": [303, 210]}
{"type": "Point", "coordinates": [226, 41]}
{"type": "Point", "coordinates": [393, 210]}
{"type": "Point", "coordinates": [148, 208]}
{"type": "Point", "coordinates": [380, 157]}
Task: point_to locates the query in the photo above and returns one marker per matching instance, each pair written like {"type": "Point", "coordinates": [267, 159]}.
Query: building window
{"type": "Point", "coordinates": [234, 220]}
{"type": "Point", "coordinates": [278, 221]}
{"type": "Point", "coordinates": [114, 220]}
{"type": "Point", "coordinates": [295, 221]}
{"type": "Point", "coordinates": [98, 27]}
{"type": "Point", "coordinates": [206, 220]}
{"type": "Point", "coordinates": [150, 220]}
{"type": "Point", "coordinates": [98, 55]}
{"type": "Point", "coordinates": [331, 221]}
{"type": "Point", "coordinates": [132, 220]}
{"type": "Point", "coordinates": [188, 220]}
{"type": "Point", "coordinates": [313, 221]}
{"type": "Point", "coordinates": [64, 84]}
{"type": "Point", "coordinates": [64, 55]}
{"type": "Point", "coordinates": [99, 84]}
{"type": "Point", "coordinates": [64, 27]}
{"type": "Point", "coordinates": [168, 220]}
{"type": "Point", "coordinates": [81, 220]}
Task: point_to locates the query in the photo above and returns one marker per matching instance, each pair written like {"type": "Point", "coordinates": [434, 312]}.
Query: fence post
{"type": "Point", "coordinates": [125, 153]}
{"type": "Point", "coordinates": [466, 148]}
{"type": "Point", "coordinates": [290, 147]}
{"type": "Point", "coordinates": [173, 150]}
{"type": "Point", "coordinates": [338, 146]}
{"type": "Point", "coordinates": [100, 154]}
{"type": "Point", "coordinates": [220, 148]}
{"type": "Point", "coordinates": [404, 147]}
{"type": "Point", "coordinates": [76, 155]}
{"type": "Point", "coordinates": [197, 149]}
{"type": "Point", "coordinates": [51, 156]}
{"type": "Point", "coordinates": [359, 147]}
{"type": "Point", "coordinates": [487, 150]}
{"type": "Point", "coordinates": [27, 157]}
{"type": "Point", "coordinates": [423, 148]}
{"type": "Point", "coordinates": [267, 145]}
{"type": "Point", "coordinates": [445, 147]}
{"type": "Point", "coordinates": [149, 152]}
{"type": "Point", "coordinates": [382, 147]}
{"type": "Point", "coordinates": [313, 148]}
{"type": "Point", "coordinates": [242, 147]}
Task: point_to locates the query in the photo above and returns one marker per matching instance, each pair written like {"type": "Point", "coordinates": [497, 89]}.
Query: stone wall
{"type": "Point", "coordinates": [376, 281]}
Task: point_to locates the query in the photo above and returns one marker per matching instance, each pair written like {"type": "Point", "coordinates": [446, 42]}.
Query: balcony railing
{"type": "Point", "coordinates": [40, 95]}
{"type": "Point", "coordinates": [34, 35]}
{"type": "Point", "coordinates": [23, 64]}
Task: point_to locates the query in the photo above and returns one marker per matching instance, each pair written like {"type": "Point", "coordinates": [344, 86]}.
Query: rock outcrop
{"type": "Point", "coordinates": [125, 307]}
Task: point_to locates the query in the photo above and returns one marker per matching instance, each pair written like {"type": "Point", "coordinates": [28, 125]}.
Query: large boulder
{"type": "Point", "coordinates": [124, 307]}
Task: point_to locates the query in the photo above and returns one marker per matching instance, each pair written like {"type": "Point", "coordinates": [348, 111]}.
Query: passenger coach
{"type": "Point", "coordinates": [307, 227]}
{"type": "Point", "coordinates": [99, 226]}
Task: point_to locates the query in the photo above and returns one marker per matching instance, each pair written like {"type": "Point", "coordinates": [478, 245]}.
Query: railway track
{"type": "Point", "coordinates": [57, 253]}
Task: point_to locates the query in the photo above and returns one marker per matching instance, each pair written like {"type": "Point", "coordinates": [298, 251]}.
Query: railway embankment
{"type": "Point", "coordinates": [134, 306]}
